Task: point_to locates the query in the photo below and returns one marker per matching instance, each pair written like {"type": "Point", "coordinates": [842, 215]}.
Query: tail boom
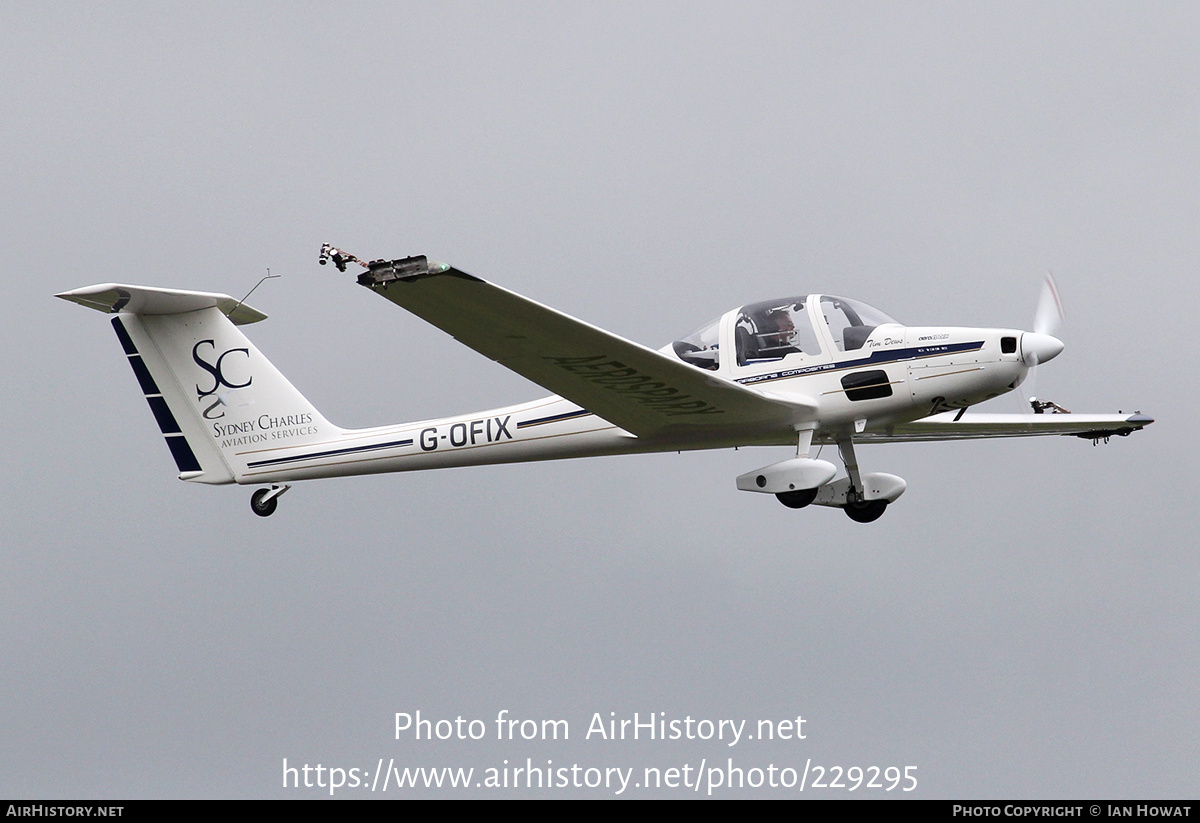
{"type": "Point", "coordinates": [229, 416]}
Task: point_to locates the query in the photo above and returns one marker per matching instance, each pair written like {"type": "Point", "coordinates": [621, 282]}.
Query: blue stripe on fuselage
{"type": "Point", "coordinates": [555, 418]}
{"type": "Point", "coordinates": [875, 358]}
{"type": "Point", "coordinates": [331, 453]}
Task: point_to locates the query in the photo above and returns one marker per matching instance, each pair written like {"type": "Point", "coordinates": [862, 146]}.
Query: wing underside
{"type": "Point", "coordinates": [951, 426]}
{"type": "Point", "coordinates": [641, 390]}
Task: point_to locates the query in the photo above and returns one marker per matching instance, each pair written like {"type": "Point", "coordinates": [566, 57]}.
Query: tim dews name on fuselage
{"type": "Point", "coordinates": [264, 427]}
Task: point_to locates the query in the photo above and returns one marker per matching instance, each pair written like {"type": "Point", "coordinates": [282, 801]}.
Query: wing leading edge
{"type": "Point", "coordinates": [641, 390]}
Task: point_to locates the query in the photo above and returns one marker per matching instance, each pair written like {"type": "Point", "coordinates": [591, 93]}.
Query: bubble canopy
{"type": "Point", "coordinates": [772, 330]}
{"type": "Point", "coordinates": [702, 347]}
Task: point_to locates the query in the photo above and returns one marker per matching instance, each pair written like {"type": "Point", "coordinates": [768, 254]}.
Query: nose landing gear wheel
{"type": "Point", "coordinates": [866, 511]}
{"type": "Point", "coordinates": [261, 507]}
{"type": "Point", "coordinates": [797, 499]}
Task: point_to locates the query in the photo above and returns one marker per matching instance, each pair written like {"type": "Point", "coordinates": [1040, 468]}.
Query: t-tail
{"type": "Point", "coordinates": [215, 397]}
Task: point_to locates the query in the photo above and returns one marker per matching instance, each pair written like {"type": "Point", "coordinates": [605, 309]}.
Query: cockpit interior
{"type": "Point", "coordinates": [787, 327]}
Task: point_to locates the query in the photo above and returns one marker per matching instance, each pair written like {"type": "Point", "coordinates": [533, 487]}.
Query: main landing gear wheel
{"type": "Point", "coordinates": [261, 507]}
{"type": "Point", "coordinates": [797, 499]}
{"type": "Point", "coordinates": [866, 511]}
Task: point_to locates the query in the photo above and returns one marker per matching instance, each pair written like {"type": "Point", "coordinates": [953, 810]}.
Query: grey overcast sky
{"type": "Point", "coordinates": [1022, 623]}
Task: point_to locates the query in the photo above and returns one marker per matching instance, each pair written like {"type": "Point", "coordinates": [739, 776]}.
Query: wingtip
{"type": "Point", "coordinates": [107, 297]}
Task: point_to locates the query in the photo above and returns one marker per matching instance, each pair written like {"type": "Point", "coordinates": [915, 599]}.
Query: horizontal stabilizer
{"type": "Point", "coordinates": [145, 300]}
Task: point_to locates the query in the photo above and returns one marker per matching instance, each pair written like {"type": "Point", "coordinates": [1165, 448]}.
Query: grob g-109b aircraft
{"type": "Point", "coordinates": [801, 371]}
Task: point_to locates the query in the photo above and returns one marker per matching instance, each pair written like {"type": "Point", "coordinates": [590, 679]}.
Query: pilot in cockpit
{"type": "Point", "coordinates": [780, 341]}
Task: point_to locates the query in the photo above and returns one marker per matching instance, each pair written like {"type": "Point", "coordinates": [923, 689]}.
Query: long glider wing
{"type": "Point", "coordinates": [643, 391]}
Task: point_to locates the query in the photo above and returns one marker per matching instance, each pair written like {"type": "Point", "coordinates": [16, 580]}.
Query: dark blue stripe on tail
{"type": "Point", "coordinates": [143, 375]}
{"type": "Point", "coordinates": [123, 336]}
{"type": "Point", "coordinates": [166, 421]}
{"type": "Point", "coordinates": [185, 458]}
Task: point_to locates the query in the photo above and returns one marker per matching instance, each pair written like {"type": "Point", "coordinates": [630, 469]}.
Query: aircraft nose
{"type": "Point", "coordinates": [1039, 348]}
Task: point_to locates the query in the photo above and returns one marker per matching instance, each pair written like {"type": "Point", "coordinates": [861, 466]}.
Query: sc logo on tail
{"type": "Point", "coordinates": [216, 369]}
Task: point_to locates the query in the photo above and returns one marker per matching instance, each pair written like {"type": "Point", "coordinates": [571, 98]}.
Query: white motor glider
{"type": "Point", "coordinates": [800, 371]}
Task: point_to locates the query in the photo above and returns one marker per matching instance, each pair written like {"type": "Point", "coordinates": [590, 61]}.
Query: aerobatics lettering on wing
{"type": "Point", "coordinates": [483, 430]}
{"type": "Point", "coordinates": [642, 388]}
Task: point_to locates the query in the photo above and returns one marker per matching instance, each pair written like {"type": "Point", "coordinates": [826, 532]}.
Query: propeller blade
{"type": "Point", "coordinates": [1043, 344]}
{"type": "Point", "coordinates": [1049, 314]}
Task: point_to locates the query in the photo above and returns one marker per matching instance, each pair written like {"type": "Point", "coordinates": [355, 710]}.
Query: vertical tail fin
{"type": "Point", "coordinates": [215, 397]}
